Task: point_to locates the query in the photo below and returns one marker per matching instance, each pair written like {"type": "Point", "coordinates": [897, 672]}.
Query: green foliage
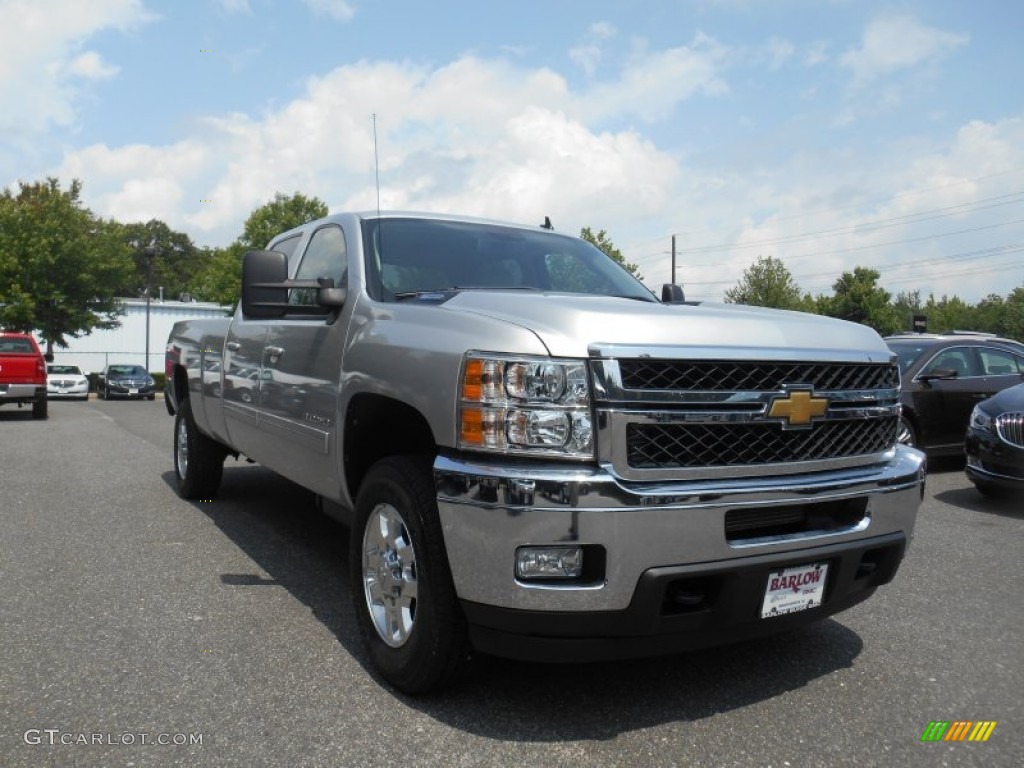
{"type": "Point", "coordinates": [220, 277]}
{"type": "Point", "coordinates": [1013, 315]}
{"type": "Point", "coordinates": [860, 299]}
{"type": "Point", "coordinates": [60, 266]}
{"type": "Point", "coordinates": [767, 283]}
{"type": "Point", "coordinates": [279, 215]}
{"type": "Point", "coordinates": [172, 256]}
{"type": "Point", "coordinates": [602, 241]}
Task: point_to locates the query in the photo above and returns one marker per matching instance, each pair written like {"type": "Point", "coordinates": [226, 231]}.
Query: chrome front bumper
{"type": "Point", "coordinates": [488, 509]}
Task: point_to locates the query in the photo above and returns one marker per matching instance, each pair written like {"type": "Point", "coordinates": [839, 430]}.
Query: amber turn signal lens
{"type": "Point", "coordinates": [472, 426]}
{"type": "Point", "coordinates": [472, 381]}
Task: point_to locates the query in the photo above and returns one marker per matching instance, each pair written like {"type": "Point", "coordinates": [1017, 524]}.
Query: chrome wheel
{"type": "Point", "coordinates": [181, 447]}
{"type": "Point", "coordinates": [389, 575]}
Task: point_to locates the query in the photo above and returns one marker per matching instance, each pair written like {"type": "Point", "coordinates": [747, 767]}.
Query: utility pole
{"type": "Point", "coordinates": [673, 259]}
{"type": "Point", "coordinates": [150, 252]}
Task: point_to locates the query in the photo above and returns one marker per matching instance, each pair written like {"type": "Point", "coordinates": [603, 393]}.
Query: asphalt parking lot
{"type": "Point", "coordinates": [139, 629]}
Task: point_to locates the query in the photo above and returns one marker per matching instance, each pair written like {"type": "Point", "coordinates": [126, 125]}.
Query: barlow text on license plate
{"type": "Point", "coordinates": [794, 589]}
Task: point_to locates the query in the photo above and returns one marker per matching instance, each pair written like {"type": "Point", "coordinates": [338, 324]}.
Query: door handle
{"type": "Point", "coordinates": [233, 346]}
{"type": "Point", "coordinates": [275, 351]}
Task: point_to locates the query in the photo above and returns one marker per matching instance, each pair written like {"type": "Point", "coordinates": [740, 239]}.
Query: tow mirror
{"type": "Point", "coordinates": [264, 296]}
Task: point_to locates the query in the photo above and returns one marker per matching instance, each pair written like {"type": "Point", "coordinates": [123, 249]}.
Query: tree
{"type": "Point", "coordinates": [947, 314]}
{"type": "Point", "coordinates": [173, 255]}
{"type": "Point", "coordinates": [767, 283]}
{"type": "Point", "coordinates": [859, 298]}
{"type": "Point", "coordinates": [220, 277]}
{"type": "Point", "coordinates": [280, 214]}
{"type": "Point", "coordinates": [906, 305]}
{"type": "Point", "coordinates": [1013, 314]}
{"type": "Point", "coordinates": [60, 265]}
{"type": "Point", "coordinates": [602, 241]}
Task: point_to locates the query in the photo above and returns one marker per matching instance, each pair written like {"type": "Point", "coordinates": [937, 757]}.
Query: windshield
{"type": "Point", "coordinates": [126, 370]}
{"type": "Point", "coordinates": [73, 369]}
{"type": "Point", "coordinates": [408, 256]}
{"type": "Point", "coordinates": [908, 352]}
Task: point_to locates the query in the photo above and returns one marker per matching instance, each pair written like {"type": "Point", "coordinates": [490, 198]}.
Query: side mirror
{"type": "Point", "coordinates": [672, 293]}
{"type": "Point", "coordinates": [48, 357]}
{"type": "Point", "coordinates": [943, 374]}
{"type": "Point", "coordinates": [263, 295]}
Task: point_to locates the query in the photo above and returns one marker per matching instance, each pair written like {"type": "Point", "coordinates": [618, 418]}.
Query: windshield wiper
{"type": "Point", "coordinates": [442, 292]}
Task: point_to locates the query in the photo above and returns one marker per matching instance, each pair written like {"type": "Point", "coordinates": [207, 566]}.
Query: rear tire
{"type": "Point", "coordinates": [198, 459]}
{"type": "Point", "coordinates": [39, 408]}
{"type": "Point", "coordinates": [402, 589]}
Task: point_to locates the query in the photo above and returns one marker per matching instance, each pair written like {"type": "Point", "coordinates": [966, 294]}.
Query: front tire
{"type": "Point", "coordinates": [991, 490]}
{"type": "Point", "coordinates": [906, 435]}
{"type": "Point", "coordinates": [198, 460]}
{"type": "Point", "coordinates": [402, 588]}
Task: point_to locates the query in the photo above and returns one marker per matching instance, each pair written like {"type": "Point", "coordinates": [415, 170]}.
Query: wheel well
{"type": "Point", "coordinates": [376, 427]}
{"type": "Point", "coordinates": [180, 384]}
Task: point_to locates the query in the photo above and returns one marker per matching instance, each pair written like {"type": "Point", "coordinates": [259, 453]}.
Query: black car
{"type": "Point", "coordinates": [995, 444]}
{"type": "Point", "coordinates": [944, 377]}
{"type": "Point", "coordinates": [126, 381]}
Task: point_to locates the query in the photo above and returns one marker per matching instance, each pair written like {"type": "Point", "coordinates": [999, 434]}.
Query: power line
{"type": "Point", "coordinates": [867, 226]}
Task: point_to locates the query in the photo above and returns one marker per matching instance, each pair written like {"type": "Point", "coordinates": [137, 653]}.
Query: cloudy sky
{"type": "Point", "coordinates": [827, 133]}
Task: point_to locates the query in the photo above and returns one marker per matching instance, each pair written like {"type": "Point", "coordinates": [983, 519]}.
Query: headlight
{"type": "Point", "coordinates": [524, 405]}
{"type": "Point", "coordinates": [981, 420]}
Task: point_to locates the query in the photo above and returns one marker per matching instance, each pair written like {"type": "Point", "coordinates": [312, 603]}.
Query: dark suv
{"type": "Point", "coordinates": [944, 377]}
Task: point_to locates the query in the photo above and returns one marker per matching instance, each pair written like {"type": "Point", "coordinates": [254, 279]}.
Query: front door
{"type": "Point", "coordinates": [301, 371]}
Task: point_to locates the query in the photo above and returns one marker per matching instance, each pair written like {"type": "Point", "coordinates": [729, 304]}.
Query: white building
{"type": "Point", "coordinates": [127, 343]}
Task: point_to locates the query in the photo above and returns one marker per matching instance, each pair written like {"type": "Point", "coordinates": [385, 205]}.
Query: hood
{"type": "Point", "coordinates": [573, 325]}
{"type": "Point", "coordinates": [1011, 399]}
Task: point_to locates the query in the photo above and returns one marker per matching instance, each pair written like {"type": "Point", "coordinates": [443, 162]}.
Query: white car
{"type": "Point", "coordinates": [66, 381]}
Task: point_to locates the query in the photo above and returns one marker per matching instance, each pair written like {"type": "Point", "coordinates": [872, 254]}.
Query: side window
{"type": "Point", "coordinates": [958, 359]}
{"type": "Point", "coordinates": [999, 363]}
{"type": "Point", "coordinates": [287, 246]}
{"type": "Point", "coordinates": [325, 256]}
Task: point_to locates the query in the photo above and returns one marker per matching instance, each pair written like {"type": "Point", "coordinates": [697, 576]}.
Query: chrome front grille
{"type": "Point", "coordinates": [691, 446]}
{"type": "Point", "coordinates": [666, 418]}
{"type": "Point", "coordinates": [1010, 428]}
{"type": "Point", "coordinates": [718, 376]}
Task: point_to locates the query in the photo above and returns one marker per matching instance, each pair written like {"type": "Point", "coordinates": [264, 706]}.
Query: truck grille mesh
{"type": "Point", "coordinates": [755, 376]}
{"type": "Point", "coordinates": [675, 446]}
{"type": "Point", "coordinates": [1010, 427]}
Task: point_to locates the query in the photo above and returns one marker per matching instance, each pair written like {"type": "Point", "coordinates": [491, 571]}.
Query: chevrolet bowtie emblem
{"type": "Point", "coordinates": [798, 409]}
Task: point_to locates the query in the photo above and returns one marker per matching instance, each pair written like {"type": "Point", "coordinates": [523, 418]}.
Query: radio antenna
{"type": "Point", "coordinates": [376, 163]}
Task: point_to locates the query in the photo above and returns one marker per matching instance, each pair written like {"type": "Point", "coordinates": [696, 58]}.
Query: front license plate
{"type": "Point", "coordinates": [133, 391]}
{"type": "Point", "coordinates": [62, 391]}
{"type": "Point", "coordinates": [794, 589]}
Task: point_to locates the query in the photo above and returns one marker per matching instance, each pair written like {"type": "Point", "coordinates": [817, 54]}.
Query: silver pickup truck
{"type": "Point", "coordinates": [536, 457]}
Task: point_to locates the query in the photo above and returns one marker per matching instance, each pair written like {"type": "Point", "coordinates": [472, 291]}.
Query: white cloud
{"type": "Point", "coordinates": [42, 69]}
{"type": "Point", "coordinates": [475, 136]}
{"type": "Point", "coordinates": [91, 66]}
{"type": "Point", "coordinates": [339, 10]}
{"type": "Point", "coordinates": [588, 54]}
{"type": "Point", "coordinates": [780, 51]}
{"type": "Point", "coordinates": [893, 43]}
{"type": "Point", "coordinates": [653, 84]}
{"type": "Point", "coordinates": [235, 6]}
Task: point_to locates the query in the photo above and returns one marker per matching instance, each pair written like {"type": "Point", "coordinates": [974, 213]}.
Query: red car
{"type": "Point", "coordinates": [22, 372]}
